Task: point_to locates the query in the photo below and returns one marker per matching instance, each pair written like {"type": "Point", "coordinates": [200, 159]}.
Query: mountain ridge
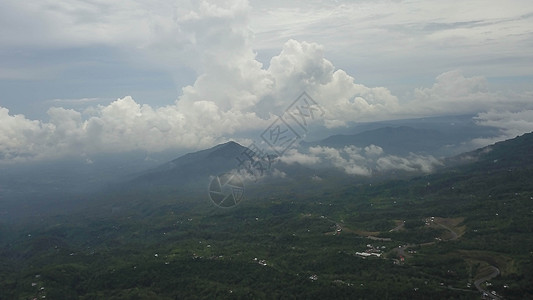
{"type": "Point", "coordinates": [396, 140]}
{"type": "Point", "coordinates": [195, 165]}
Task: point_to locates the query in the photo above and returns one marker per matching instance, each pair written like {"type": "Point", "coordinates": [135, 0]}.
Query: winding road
{"type": "Point", "coordinates": [477, 283]}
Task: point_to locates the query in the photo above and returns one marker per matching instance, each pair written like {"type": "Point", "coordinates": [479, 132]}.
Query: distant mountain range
{"type": "Point", "coordinates": [194, 169]}
{"type": "Point", "coordinates": [394, 140]}
{"type": "Point", "coordinates": [453, 132]}
{"type": "Point", "coordinates": [402, 140]}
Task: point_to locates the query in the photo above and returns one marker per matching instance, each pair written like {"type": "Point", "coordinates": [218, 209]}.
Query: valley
{"type": "Point", "coordinates": [457, 233]}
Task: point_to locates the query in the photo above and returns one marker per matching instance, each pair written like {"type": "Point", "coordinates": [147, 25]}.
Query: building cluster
{"type": "Point", "coordinates": [371, 251]}
{"type": "Point", "coordinates": [260, 261]}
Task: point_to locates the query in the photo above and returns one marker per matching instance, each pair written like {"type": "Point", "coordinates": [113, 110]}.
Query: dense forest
{"type": "Point", "coordinates": [455, 234]}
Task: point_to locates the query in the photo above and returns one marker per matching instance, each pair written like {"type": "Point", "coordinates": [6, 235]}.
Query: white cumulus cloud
{"type": "Point", "coordinates": [233, 92]}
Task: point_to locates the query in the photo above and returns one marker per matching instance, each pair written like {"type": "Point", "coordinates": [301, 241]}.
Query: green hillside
{"type": "Point", "coordinates": [429, 237]}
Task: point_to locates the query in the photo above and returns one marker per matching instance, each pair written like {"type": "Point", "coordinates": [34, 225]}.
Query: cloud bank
{"type": "Point", "coordinates": [511, 125]}
{"type": "Point", "coordinates": [232, 93]}
{"type": "Point", "coordinates": [360, 161]}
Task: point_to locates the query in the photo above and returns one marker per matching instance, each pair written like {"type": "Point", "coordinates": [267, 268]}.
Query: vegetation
{"type": "Point", "coordinates": [436, 235]}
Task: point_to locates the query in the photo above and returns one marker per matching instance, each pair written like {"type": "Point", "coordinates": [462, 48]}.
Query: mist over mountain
{"type": "Point", "coordinates": [377, 151]}
{"type": "Point", "coordinates": [39, 184]}
{"type": "Point", "coordinates": [37, 188]}
{"type": "Point", "coordinates": [516, 153]}
{"type": "Point", "coordinates": [195, 166]}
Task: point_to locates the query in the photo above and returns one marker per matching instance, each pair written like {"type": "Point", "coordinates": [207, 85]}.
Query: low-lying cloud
{"type": "Point", "coordinates": [510, 124]}
{"type": "Point", "coordinates": [360, 161]}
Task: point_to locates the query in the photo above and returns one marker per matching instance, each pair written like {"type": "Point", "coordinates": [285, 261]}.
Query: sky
{"type": "Point", "coordinates": [79, 78]}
